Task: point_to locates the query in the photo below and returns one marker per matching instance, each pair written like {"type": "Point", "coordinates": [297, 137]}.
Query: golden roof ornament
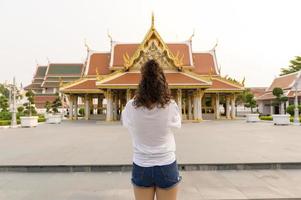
{"type": "Point", "coordinates": [243, 81]}
{"type": "Point", "coordinates": [86, 45]}
{"type": "Point", "coordinates": [153, 21]}
{"type": "Point", "coordinates": [61, 82]}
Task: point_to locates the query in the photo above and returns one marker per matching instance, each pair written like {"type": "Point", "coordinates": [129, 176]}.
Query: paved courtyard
{"type": "Point", "coordinates": [196, 185]}
{"type": "Point", "coordinates": [89, 142]}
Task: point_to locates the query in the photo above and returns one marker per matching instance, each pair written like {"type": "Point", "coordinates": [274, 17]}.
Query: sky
{"type": "Point", "coordinates": [255, 37]}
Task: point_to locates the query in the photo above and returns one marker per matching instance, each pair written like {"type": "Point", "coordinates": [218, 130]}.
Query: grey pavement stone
{"type": "Point", "coordinates": [91, 143]}
{"type": "Point", "coordinates": [257, 184]}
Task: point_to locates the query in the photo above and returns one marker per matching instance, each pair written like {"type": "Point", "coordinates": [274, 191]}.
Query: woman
{"type": "Point", "coordinates": [149, 117]}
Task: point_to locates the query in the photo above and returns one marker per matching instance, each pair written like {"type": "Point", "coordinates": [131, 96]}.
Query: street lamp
{"type": "Point", "coordinates": [296, 109]}
{"type": "Point", "coordinates": [12, 100]}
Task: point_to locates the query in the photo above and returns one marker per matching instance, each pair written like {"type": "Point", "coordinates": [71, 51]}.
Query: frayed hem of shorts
{"type": "Point", "coordinates": [139, 186]}
{"type": "Point", "coordinates": [172, 186]}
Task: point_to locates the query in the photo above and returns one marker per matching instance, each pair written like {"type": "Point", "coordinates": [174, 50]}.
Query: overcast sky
{"type": "Point", "coordinates": [255, 38]}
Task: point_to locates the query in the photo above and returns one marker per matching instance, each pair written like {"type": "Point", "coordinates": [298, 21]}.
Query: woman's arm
{"type": "Point", "coordinates": [175, 120]}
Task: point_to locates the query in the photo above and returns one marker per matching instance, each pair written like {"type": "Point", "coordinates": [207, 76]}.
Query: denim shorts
{"type": "Point", "coordinates": [165, 176]}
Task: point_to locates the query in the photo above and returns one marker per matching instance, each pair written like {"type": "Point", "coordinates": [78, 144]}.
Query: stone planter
{"type": "Point", "coordinates": [253, 117]}
{"type": "Point", "coordinates": [29, 121]}
{"type": "Point", "coordinates": [281, 119]}
{"type": "Point", "coordinates": [54, 119]}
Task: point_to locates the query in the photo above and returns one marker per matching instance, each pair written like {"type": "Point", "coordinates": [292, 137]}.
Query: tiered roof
{"type": "Point", "coordinates": [114, 69]}
{"type": "Point", "coordinates": [58, 73]}
{"type": "Point", "coordinates": [38, 78]}
{"type": "Point", "coordinates": [286, 82]}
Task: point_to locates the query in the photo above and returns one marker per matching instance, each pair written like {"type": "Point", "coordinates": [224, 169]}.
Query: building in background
{"type": "Point", "coordinates": [107, 80]}
{"type": "Point", "coordinates": [47, 80]}
{"type": "Point", "coordinates": [287, 83]}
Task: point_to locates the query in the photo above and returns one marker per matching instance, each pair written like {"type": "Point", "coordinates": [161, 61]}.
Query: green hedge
{"type": "Point", "coordinates": [8, 122]}
{"type": "Point", "coordinates": [290, 109]}
{"type": "Point", "coordinates": [270, 118]}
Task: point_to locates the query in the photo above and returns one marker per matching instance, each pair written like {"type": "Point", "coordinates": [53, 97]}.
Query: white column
{"type": "Point", "coordinates": [195, 106]}
{"type": "Point", "coordinates": [271, 108]}
{"type": "Point", "coordinates": [71, 107]}
{"type": "Point", "coordinates": [128, 95]}
{"type": "Point", "coordinates": [109, 113]}
{"type": "Point", "coordinates": [99, 105]}
{"type": "Point", "coordinates": [198, 105]}
{"type": "Point", "coordinates": [228, 107]}
{"type": "Point", "coordinates": [75, 106]}
{"type": "Point", "coordinates": [189, 98]}
{"type": "Point", "coordinates": [233, 106]}
{"type": "Point", "coordinates": [115, 107]}
{"type": "Point", "coordinates": [296, 109]}
{"type": "Point", "coordinates": [179, 100]}
{"type": "Point", "coordinates": [217, 110]}
{"type": "Point", "coordinates": [87, 107]}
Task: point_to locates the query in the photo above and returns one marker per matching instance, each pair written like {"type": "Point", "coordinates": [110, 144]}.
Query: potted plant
{"type": "Point", "coordinates": [282, 118]}
{"type": "Point", "coordinates": [251, 103]}
{"type": "Point", "coordinates": [48, 109]}
{"type": "Point", "coordinates": [30, 119]}
{"type": "Point", "coordinates": [55, 117]}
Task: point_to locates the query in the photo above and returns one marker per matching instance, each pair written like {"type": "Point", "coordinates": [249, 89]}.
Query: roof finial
{"type": "Point", "coordinates": [153, 20]}
{"type": "Point", "coordinates": [86, 45]}
{"type": "Point", "coordinates": [190, 38]}
{"type": "Point", "coordinates": [215, 45]}
{"type": "Point", "coordinates": [109, 36]}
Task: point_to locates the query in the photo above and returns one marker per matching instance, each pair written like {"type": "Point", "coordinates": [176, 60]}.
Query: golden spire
{"type": "Point", "coordinates": [190, 38]}
{"type": "Point", "coordinates": [86, 45]}
{"type": "Point", "coordinates": [153, 21]}
{"type": "Point", "coordinates": [243, 81]}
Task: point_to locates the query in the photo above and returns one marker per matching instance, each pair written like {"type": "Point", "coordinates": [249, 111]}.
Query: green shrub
{"type": "Point", "coordinates": [268, 118]}
{"type": "Point", "coordinates": [7, 122]}
{"type": "Point", "coordinates": [5, 115]}
{"type": "Point", "coordinates": [41, 119]}
{"type": "Point", "coordinates": [292, 119]}
{"type": "Point", "coordinates": [4, 122]}
{"type": "Point", "coordinates": [290, 109]}
{"type": "Point", "coordinates": [81, 111]}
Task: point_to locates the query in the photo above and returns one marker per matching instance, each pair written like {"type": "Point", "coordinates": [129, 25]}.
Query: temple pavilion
{"type": "Point", "coordinates": [109, 80]}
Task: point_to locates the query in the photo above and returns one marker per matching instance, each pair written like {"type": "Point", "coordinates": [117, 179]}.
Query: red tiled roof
{"type": "Point", "coordinates": [257, 91]}
{"type": "Point", "coordinates": [266, 96]}
{"type": "Point", "coordinates": [222, 85]}
{"type": "Point", "coordinates": [204, 63]}
{"type": "Point", "coordinates": [292, 94]}
{"type": "Point", "coordinates": [99, 61]}
{"type": "Point", "coordinates": [86, 84]}
{"type": "Point", "coordinates": [174, 78]}
{"type": "Point", "coordinates": [283, 82]}
{"type": "Point", "coordinates": [183, 50]}
{"type": "Point", "coordinates": [122, 49]}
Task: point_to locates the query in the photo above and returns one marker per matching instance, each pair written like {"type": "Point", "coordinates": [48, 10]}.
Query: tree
{"type": "Point", "coordinates": [280, 98]}
{"type": "Point", "coordinates": [56, 104]}
{"type": "Point", "coordinates": [4, 104]}
{"type": "Point", "coordinates": [48, 106]}
{"type": "Point", "coordinates": [4, 91]}
{"type": "Point", "coordinates": [295, 65]}
{"type": "Point", "coordinates": [250, 101]}
{"type": "Point", "coordinates": [29, 108]}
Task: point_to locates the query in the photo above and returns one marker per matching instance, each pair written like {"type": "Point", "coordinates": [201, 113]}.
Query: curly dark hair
{"type": "Point", "coordinates": [153, 89]}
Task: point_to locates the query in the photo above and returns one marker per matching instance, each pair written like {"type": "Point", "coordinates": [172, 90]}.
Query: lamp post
{"type": "Point", "coordinates": [296, 109]}
{"type": "Point", "coordinates": [14, 110]}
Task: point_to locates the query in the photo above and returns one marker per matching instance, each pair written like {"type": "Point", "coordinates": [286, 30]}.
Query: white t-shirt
{"type": "Point", "coordinates": [153, 140]}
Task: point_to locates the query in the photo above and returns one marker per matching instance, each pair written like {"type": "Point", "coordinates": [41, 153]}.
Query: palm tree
{"type": "Point", "coordinates": [295, 65]}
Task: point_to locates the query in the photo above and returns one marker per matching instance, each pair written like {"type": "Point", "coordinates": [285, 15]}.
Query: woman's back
{"type": "Point", "coordinates": [153, 140]}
